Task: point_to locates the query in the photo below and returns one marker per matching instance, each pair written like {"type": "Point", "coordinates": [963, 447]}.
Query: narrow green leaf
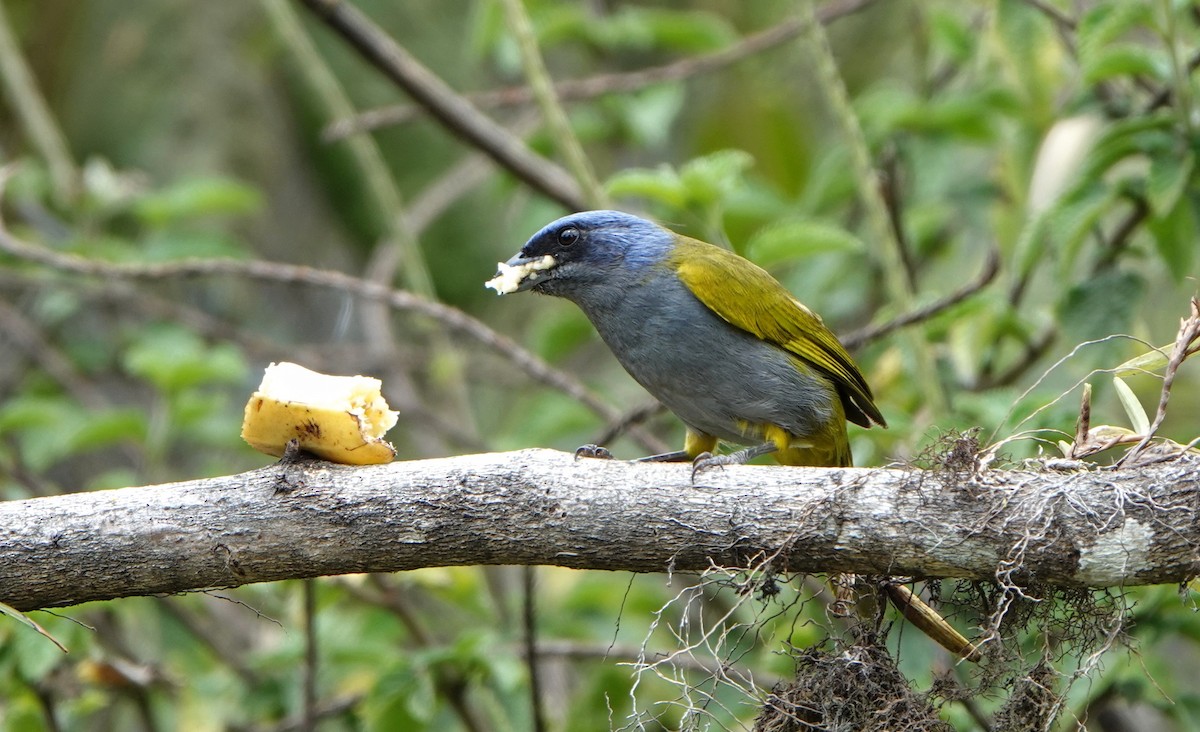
{"type": "Point", "coordinates": [29, 622]}
{"type": "Point", "coordinates": [1067, 224]}
{"type": "Point", "coordinates": [1151, 361]}
{"type": "Point", "coordinates": [788, 240]}
{"type": "Point", "coordinates": [1175, 235]}
{"type": "Point", "coordinates": [1124, 59]}
{"type": "Point", "coordinates": [1107, 21]}
{"type": "Point", "coordinates": [195, 197]}
{"type": "Point", "coordinates": [660, 184]}
{"type": "Point", "coordinates": [1169, 176]}
{"type": "Point", "coordinates": [1133, 408]}
{"type": "Point", "coordinates": [1146, 135]}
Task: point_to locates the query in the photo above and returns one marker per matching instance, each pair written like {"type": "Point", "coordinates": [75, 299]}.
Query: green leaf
{"type": "Point", "coordinates": [1107, 21]}
{"type": "Point", "coordinates": [1175, 236]}
{"type": "Point", "coordinates": [100, 429]}
{"type": "Point", "coordinates": [1133, 408]}
{"type": "Point", "coordinates": [195, 197]}
{"type": "Point", "coordinates": [1151, 361]}
{"type": "Point", "coordinates": [1125, 59]}
{"type": "Point", "coordinates": [971, 115]}
{"type": "Point", "coordinates": [952, 34]}
{"type": "Point", "coordinates": [1061, 228]}
{"type": "Point", "coordinates": [650, 114]}
{"type": "Point", "coordinates": [689, 31]}
{"type": "Point", "coordinates": [401, 698]}
{"type": "Point", "coordinates": [713, 177]}
{"type": "Point", "coordinates": [661, 184]}
{"type": "Point", "coordinates": [660, 29]}
{"type": "Point", "coordinates": [1102, 305]}
{"type": "Point", "coordinates": [788, 240]}
{"type": "Point", "coordinates": [172, 245]}
{"type": "Point", "coordinates": [1067, 224]}
{"type": "Point", "coordinates": [53, 428]}
{"type": "Point", "coordinates": [28, 622]}
{"type": "Point", "coordinates": [1170, 174]}
{"type": "Point", "coordinates": [173, 358]}
{"type": "Point", "coordinates": [1137, 135]}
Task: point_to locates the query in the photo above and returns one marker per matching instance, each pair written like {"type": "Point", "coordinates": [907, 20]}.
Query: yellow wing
{"type": "Point", "coordinates": [744, 295]}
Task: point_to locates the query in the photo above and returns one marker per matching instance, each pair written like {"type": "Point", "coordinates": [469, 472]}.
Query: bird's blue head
{"type": "Point", "coordinates": [581, 254]}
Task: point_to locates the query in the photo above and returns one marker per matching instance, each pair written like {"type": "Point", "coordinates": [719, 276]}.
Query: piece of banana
{"type": "Point", "coordinates": [339, 418]}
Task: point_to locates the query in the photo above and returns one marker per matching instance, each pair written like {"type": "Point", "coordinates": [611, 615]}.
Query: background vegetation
{"type": "Point", "coordinates": [1055, 139]}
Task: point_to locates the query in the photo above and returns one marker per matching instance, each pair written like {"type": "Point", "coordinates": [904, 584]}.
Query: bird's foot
{"type": "Point", "coordinates": [706, 460]}
{"type": "Point", "coordinates": [593, 451]}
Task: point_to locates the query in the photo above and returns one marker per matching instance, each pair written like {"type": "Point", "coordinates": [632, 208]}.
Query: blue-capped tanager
{"type": "Point", "coordinates": [714, 337]}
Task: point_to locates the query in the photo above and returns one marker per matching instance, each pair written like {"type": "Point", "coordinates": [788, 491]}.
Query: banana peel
{"type": "Point", "coordinates": [339, 418]}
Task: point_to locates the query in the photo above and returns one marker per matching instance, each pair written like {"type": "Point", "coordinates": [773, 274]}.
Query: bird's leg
{"type": "Point", "coordinates": [679, 456]}
{"type": "Point", "coordinates": [694, 443]}
{"type": "Point", "coordinates": [707, 460]}
{"type": "Point", "coordinates": [593, 451]}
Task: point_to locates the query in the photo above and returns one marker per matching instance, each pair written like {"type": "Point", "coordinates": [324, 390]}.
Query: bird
{"type": "Point", "coordinates": [722, 344]}
{"type": "Point", "coordinates": [712, 336]}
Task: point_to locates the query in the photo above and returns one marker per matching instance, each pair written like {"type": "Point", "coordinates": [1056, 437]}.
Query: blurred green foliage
{"type": "Point", "coordinates": [1065, 143]}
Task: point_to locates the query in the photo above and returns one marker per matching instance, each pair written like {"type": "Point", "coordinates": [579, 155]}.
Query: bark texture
{"type": "Point", "coordinates": [1094, 528]}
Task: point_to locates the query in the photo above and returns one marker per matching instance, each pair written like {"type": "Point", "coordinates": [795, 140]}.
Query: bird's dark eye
{"type": "Point", "coordinates": [567, 237]}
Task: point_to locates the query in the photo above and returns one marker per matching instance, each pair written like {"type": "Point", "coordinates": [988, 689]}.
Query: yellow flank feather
{"type": "Point", "coordinates": [744, 295]}
{"type": "Point", "coordinates": [696, 443]}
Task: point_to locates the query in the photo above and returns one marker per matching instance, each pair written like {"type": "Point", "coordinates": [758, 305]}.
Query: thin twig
{"type": "Point", "coordinates": [530, 643]}
{"type": "Point", "coordinates": [447, 106]}
{"type": "Point", "coordinates": [18, 331]}
{"type": "Point", "coordinates": [308, 588]}
{"type": "Point", "coordinates": [1034, 349]}
{"type": "Point", "coordinates": [559, 126]}
{"type": "Point", "coordinates": [448, 683]}
{"type": "Point", "coordinates": [865, 335]}
{"type": "Point", "coordinates": [1189, 331]}
{"type": "Point", "coordinates": [1122, 235]}
{"type": "Point", "coordinates": [1061, 19]}
{"type": "Point", "coordinates": [216, 643]}
{"type": "Point", "coordinates": [626, 421]}
{"type": "Point", "coordinates": [34, 114]}
{"type": "Point", "coordinates": [888, 253]}
{"type": "Point", "coordinates": [459, 179]}
{"type": "Point", "coordinates": [573, 90]}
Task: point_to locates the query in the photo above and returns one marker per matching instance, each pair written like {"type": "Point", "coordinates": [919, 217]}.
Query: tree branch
{"type": "Point", "coordinates": [310, 518]}
{"type": "Point", "coordinates": [449, 107]}
{"type": "Point", "coordinates": [624, 82]}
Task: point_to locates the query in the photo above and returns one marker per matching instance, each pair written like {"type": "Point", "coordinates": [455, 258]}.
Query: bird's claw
{"type": "Point", "coordinates": [593, 451]}
{"type": "Point", "coordinates": [706, 460]}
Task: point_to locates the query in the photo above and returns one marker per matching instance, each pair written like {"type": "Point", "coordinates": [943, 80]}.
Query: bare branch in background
{"type": "Point", "coordinates": [447, 106]}
{"type": "Point", "coordinates": [573, 90]}
{"type": "Point", "coordinates": [865, 335]}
